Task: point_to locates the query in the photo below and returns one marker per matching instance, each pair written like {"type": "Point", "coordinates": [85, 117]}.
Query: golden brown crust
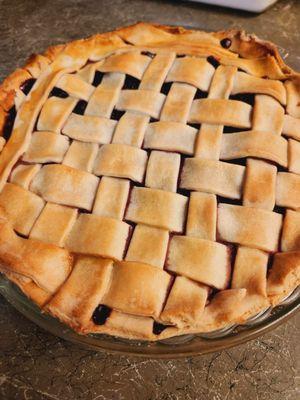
{"type": "Point", "coordinates": [36, 63]}
{"type": "Point", "coordinates": [143, 34]}
{"type": "Point", "coordinates": [253, 55]}
{"type": "Point", "coordinates": [28, 287]}
{"type": "Point", "coordinates": [9, 85]}
{"type": "Point", "coordinates": [32, 259]}
{"type": "Point", "coordinates": [284, 276]}
{"type": "Point", "coordinates": [250, 46]}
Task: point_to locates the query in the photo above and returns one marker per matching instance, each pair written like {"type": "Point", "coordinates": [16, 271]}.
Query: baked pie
{"type": "Point", "coordinates": [150, 180]}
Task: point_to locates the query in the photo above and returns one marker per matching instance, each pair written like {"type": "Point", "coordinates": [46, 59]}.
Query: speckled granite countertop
{"type": "Point", "coordinates": [35, 365]}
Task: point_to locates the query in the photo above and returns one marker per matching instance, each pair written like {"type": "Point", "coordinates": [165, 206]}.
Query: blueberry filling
{"type": "Point", "coordinates": [280, 168]}
{"type": "Point", "coordinates": [131, 83]}
{"type": "Point", "coordinates": [97, 78]}
{"type": "Point", "coordinates": [57, 92]}
{"type": "Point", "coordinates": [148, 54]}
{"type": "Point", "coordinates": [226, 200]}
{"type": "Point", "coordinates": [183, 192]}
{"type": "Point", "coordinates": [211, 294]}
{"type": "Point", "coordinates": [9, 123]}
{"type": "Point", "coordinates": [200, 94]}
{"type": "Point", "coordinates": [27, 85]}
{"type": "Point", "coordinates": [213, 61]}
{"type": "Point", "coordinates": [245, 97]}
{"type": "Point", "coordinates": [101, 314]}
{"type": "Point", "coordinates": [238, 161]}
{"type": "Point", "coordinates": [80, 107]}
{"type": "Point", "coordinates": [226, 43]}
{"type": "Point", "coordinates": [117, 114]}
{"type": "Point", "coordinates": [196, 126]}
{"type": "Point", "coordinates": [270, 262]}
{"type": "Point", "coordinates": [166, 87]}
{"type": "Point", "coordinates": [153, 120]}
{"type": "Point", "coordinates": [231, 129]}
{"type": "Point", "coordinates": [159, 328]}
{"type": "Point", "coordinates": [279, 210]}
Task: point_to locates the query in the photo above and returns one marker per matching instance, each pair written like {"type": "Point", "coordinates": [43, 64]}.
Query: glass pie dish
{"type": "Point", "coordinates": [180, 346]}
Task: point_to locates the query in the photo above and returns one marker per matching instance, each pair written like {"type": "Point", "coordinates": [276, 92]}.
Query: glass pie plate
{"type": "Point", "coordinates": [185, 345]}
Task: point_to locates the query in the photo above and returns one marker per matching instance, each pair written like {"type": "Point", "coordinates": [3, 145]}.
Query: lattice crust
{"type": "Point", "coordinates": [144, 175]}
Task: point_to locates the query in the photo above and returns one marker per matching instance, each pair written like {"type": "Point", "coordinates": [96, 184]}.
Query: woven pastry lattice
{"type": "Point", "coordinates": [156, 190]}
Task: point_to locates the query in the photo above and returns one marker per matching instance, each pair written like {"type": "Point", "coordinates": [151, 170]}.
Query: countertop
{"type": "Point", "coordinates": [35, 365]}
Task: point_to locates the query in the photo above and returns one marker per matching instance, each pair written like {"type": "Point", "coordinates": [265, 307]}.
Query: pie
{"type": "Point", "coordinates": [150, 181]}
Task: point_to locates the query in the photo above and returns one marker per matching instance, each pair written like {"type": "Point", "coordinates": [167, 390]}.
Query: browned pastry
{"type": "Point", "coordinates": [150, 180]}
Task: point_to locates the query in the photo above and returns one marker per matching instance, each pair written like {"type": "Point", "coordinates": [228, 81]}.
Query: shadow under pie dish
{"type": "Point", "coordinates": [149, 181]}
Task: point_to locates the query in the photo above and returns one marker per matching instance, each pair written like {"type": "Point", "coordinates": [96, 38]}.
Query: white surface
{"type": "Point", "coordinates": [249, 5]}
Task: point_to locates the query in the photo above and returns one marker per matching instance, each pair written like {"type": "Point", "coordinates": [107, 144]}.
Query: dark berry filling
{"type": "Point", "coordinates": [57, 92]}
{"type": "Point", "coordinates": [80, 107]}
{"type": "Point", "coordinates": [245, 97]}
{"type": "Point", "coordinates": [270, 262]}
{"type": "Point", "coordinates": [131, 83]}
{"type": "Point", "coordinates": [232, 129]}
{"type": "Point", "coordinates": [200, 94]}
{"type": "Point", "coordinates": [196, 126]}
{"type": "Point", "coordinates": [213, 61]}
{"type": "Point", "coordinates": [166, 87]}
{"type": "Point", "coordinates": [101, 314]}
{"type": "Point", "coordinates": [279, 210]}
{"type": "Point", "coordinates": [280, 168]}
{"type": "Point", "coordinates": [9, 123]}
{"type": "Point", "coordinates": [226, 200]}
{"type": "Point", "coordinates": [148, 54]}
{"type": "Point", "coordinates": [226, 43]}
{"type": "Point", "coordinates": [238, 161]}
{"type": "Point", "coordinates": [27, 85]}
{"type": "Point", "coordinates": [117, 114]}
{"type": "Point", "coordinates": [97, 78]}
{"type": "Point", "coordinates": [159, 328]}
{"type": "Point", "coordinates": [183, 192]}
{"type": "Point", "coordinates": [211, 294]}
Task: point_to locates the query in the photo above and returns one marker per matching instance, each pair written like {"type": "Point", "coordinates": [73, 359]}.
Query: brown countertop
{"type": "Point", "coordinates": [35, 365]}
